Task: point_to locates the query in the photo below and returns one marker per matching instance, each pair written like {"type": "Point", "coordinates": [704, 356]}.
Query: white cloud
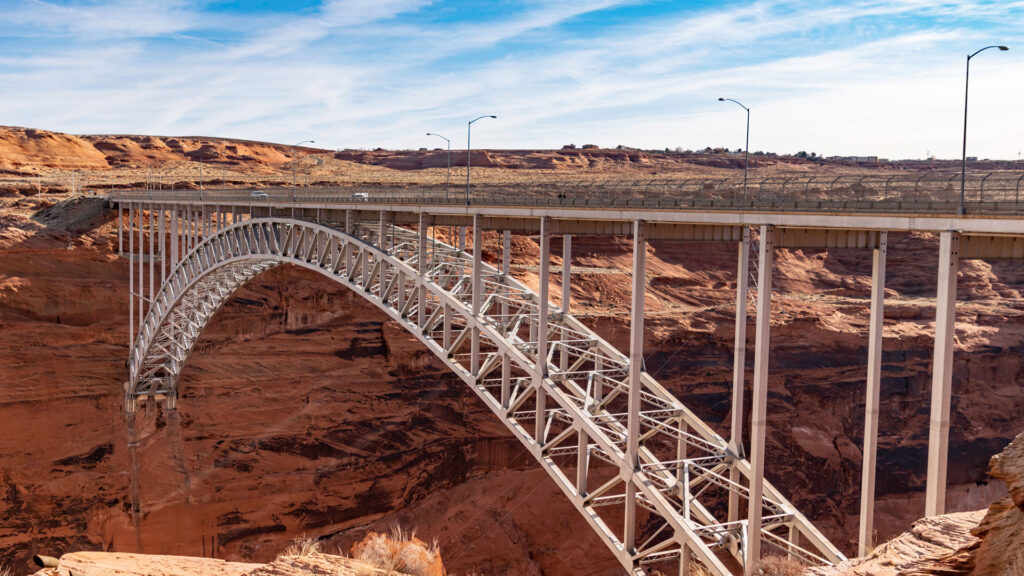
{"type": "Point", "coordinates": [869, 77]}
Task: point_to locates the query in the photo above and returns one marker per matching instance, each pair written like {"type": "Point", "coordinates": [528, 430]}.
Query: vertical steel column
{"type": "Point", "coordinates": [739, 367]}
{"type": "Point", "coordinates": [541, 371]}
{"type": "Point", "coordinates": [163, 246]}
{"type": "Point", "coordinates": [367, 277]}
{"type": "Point", "coordinates": [566, 272]}
{"type": "Point", "coordinates": [382, 234]}
{"type": "Point", "coordinates": [506, 380]}
{"type": "Point", "coordinates": [183, 243]}
{"type": "Point", "coordinates": [506, 252]}
{"type": "Point", "coordinates": [400, 292]}
{"type": "Point", "coordinates": [142, 269]}
{"type": "Point", "coordinates": [636, 363]}
{"type": "Point", "coordinates": [759, 410]}
{"type": "Point", "coordinates": [421, 308]}
{"type": "Point", "coordinates": [683, 478]}
{"type": "Point", "coordinates": [681, 453]}
{"type": "Point", "coordinates": [131, 285]}
{"type": "Point", "coordinates": [446, 337]}
{"type": "Point", "coordinates": [152, 250]}
{"type": "Point", "coordinates": [582, 461]}
{"type": "Point", "coordinates": [120, 229]}
{"type": "Point", "coordinates": [174, 236]}
{"type": "Point", "coordinates": [506, 263]}
{"type": "Point", "coordinates": [867, 487]}
{"type": "Point", "coordinates": [478, 289]}
{"type": "Point", "coordinates": [349, 249]}
{"type": "Point", "coordinates": [942, 374]}
{"type": "Point", "coordinates": [182, 233]}
{"type": "Point", "coordinates": [462, 238]}
{"type": "Point", "coordinates": [563, 357]}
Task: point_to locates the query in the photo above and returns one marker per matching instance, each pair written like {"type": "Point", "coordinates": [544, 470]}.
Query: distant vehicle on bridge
{"type": "Point", "coordinates": [360, 197]}
{"type": "Point", "coordinates": [259, 194]}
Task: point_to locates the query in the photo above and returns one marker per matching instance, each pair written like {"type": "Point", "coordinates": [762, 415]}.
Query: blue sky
{"type": "Point", "coordinates": [855, 77]}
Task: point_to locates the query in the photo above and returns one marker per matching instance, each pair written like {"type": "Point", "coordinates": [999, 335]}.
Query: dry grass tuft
{"type": "Point", "coordinates": [698, 570]}
{"type": "Point", "coordinates": [4, 570]}
{"type": "Point", "coordinates": [781, 566]}
{"type": "Point", "coordinates": [301, 546]}
{"type": "Point", "coordinates": [399, 551]}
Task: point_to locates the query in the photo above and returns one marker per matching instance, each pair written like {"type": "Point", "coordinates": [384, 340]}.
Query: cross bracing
{"type": "Point", "coordinates": [658, 485]}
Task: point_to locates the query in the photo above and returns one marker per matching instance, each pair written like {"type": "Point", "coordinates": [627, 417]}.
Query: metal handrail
{"type": "Point", "coordinates": [906, 193]}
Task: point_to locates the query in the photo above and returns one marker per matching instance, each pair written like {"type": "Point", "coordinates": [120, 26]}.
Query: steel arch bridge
{"type": "Point", "coordinates": [654, 482]}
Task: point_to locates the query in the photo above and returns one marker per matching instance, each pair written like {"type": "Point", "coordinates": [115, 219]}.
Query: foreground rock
{"type": "Point", "coordinates": [397, 553]}
{"type": "Point", "coordinates": [1001, 549]}
{"type": "Point", "coordinates": [118, 564]}
{"type": "Point", "coordinates": [932, 546]}
{"type": "Point", "coordinates": [981, 543]}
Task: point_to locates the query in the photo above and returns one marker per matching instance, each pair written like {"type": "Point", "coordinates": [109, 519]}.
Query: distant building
{"type": "Point", "coordinates": [872, 159]}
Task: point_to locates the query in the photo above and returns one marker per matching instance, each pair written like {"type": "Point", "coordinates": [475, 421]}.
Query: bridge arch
{"type": "Point", "coordinates": [558, 387]}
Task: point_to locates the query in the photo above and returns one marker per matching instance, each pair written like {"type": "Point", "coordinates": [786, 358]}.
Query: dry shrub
{"type": "Point", "coordinates": [4, 570]}
{"type": "Point", "coordinates": [399, 551]}
{"type": "Point", "coordinates": [301, 546]}
{"type": "Point", "coordinates": [781, 566]}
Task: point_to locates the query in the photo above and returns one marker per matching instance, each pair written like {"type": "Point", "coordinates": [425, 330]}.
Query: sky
{"type": "Point", "coordinates": [857, 77]}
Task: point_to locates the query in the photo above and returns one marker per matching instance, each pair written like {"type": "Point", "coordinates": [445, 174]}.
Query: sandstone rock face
{"type": "Point", "coordinates": [122, 564]}
{"type": "Point", "coordinates": [119, 564]}
{"type": "Point", "coordinates": [937, 546]}
{"type": "Point", "coordinates": [1002, 530]}
{"type": "Point", "coordinates": [304, 410]}
{"type": "Point", "coordinates": [28, 148]}
{"type": "Point", "coordinates": [981, 543]}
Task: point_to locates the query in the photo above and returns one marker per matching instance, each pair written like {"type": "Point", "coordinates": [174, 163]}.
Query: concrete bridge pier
{"type": "Point", "coordinates": [758, 415]}
{"type": "Point", "coordinates": [865, 540]}
{"type": "Point", "coordinates": [739, 368]}
{"type": "Point", "coordinates": [541, 370]}
{"type": "Point", "coordinates": [942, 374]}
{"type": "Point", "coordinates": [636, 369]}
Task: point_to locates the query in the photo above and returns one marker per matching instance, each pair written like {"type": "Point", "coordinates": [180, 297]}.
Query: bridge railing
{"type": "Point", "coordinates": [988, 193]}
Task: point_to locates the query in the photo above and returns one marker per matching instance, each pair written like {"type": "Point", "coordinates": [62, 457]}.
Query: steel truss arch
{"type": "Point", "coordinates": [684, 466]}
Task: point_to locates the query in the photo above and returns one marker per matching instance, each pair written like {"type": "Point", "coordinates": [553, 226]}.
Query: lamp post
{"type": "Point", "coordinates": [469, 152]}
{"type": "Point", "coordinates": [746, 148]}
{"type": "Point", "coordinates": [294, 146]}
{"type": "Point", "coordinates": [963, 161]}
{"type": "Point", "coordinates": [448, 178]}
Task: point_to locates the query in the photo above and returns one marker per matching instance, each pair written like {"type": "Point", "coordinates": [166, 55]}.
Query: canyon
{"type": "Point", "coordinates": [305, 410]}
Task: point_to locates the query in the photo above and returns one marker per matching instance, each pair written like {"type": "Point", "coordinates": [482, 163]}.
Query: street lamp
{"type": "Point", "coordinates": [746, 149]}
{"type": "Point", "coordinates": [963, 162]}
{"type": "Point", "coordinates": [469, 126]}
{"type": "Point", "coordinates": [448, 179]}
{"type": "Point", "coordinates": [294, 146]}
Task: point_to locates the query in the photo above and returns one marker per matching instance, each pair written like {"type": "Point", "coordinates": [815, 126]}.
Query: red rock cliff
{"type": "Point", "coordinates": [305, 410]}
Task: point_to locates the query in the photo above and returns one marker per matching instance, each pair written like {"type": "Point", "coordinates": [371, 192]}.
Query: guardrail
{"type": "Point", "coordinates": [992, 193]}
